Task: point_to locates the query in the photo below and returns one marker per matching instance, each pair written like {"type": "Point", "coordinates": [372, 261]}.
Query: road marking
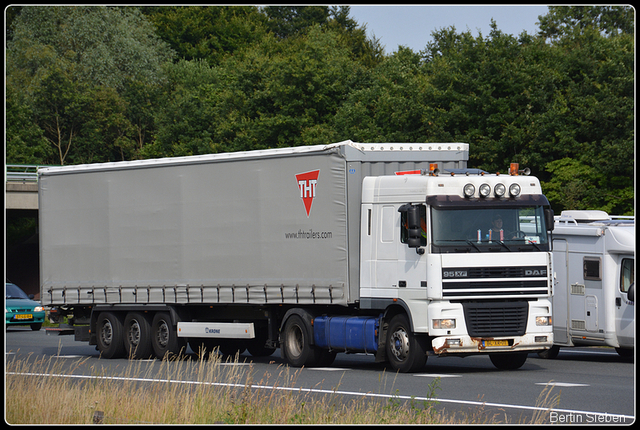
{"type": "Point", "coordinates": [436, 375]}
{"type": "Point", "coordinates": [327, 369]}
{"type": "Point", "coordinates": [563, 384]}
{"type": "Point", "coordinates": [323, 391]}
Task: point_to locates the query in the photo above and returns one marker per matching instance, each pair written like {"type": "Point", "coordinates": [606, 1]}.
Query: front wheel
{"type": "Point", "coordinates": [406, 351]}
{"type": "Point", "coordinates": [508, 360]}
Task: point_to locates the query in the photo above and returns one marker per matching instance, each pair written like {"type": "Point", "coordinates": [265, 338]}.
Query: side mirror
{"type": "Point", "coordinates": [548, 215]}
{"type": "Point", "coordinates": [414, 233]}
{"type": "Point", "coordinates": [632, 292]}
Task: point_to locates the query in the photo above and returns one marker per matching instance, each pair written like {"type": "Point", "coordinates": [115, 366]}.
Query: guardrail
{"type": "Point", "coordinates": [21, 172]}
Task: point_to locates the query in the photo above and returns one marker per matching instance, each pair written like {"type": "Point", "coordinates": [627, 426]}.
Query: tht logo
{"type": "Point", "coordinates": [307, 183]}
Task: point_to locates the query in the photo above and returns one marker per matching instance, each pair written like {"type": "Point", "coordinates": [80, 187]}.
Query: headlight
{"type": "Point", "coordinates": [543, 321]}
{"type": "Point", "coordinates": [514, 190]}
{"type": "Point", "coordinates": [484, 190]}
{"type": "Point", "coordinates": [499, 190]}
{"type": "Point", "coordinates": [469, 190]}
{"type": "Point", "coordinates": [38, 309]}
{"type": "Point", "coordinates": [446, 324]}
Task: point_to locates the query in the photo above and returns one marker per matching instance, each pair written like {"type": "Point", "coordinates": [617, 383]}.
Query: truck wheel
{"type": "Point", "coordinates": [231, 347]}
{"type": "Point", "coordinates": [137, 336]}
{"type": "Point", "coordinates": [257, 347]}
{"type": "Point", "coordinates": [110, 335]}
{"type": "Point", "coordinates": [164, 337]}
{"type": "Point", "coordinates": [203, 347]}
{"type": "Point", "coordinates": [550, 353]}
{"type": "Point", "coordinates": [508, 361]}
{"type": "Point", "coordinates": [406, 352]}
{"type": "Point", "coordinates": [296, 346]}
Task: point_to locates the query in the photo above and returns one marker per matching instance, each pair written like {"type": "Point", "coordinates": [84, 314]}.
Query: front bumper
{"type": "Point", "coordinates": [464, 345]}
{"type": "Point", "coordinates": [24, 318]}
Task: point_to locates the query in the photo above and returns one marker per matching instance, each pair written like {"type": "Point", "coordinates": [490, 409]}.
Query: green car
{"type": "Point", "coordinates": [19, 309]}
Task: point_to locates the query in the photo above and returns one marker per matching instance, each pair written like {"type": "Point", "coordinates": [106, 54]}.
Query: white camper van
{"type": "Point", "coordinates": [594, 276]}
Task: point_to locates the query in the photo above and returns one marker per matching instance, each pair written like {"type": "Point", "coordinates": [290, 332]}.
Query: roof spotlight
{"type": "Point", "coordinates": [469, 190]}
{"type": "Point", "coordinates": [499, 190]}
{"type": "Point", "coordinates": [514, 190]}
{"type": "Point", "coordinates": [484, 190]}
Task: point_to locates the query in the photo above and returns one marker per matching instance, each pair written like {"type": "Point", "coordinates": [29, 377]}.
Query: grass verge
{"type": "Point", "coordinates": [205, 391]}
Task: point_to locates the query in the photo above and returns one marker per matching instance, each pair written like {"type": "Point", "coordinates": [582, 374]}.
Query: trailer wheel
{"type": "Point", "coordinates": [164, 337]}
{"type": "Point", "coordinates": [296, 346]}
{"type": "Point", "coordinates": [406, 351]}
{"type": "Point", "coordinates": [203, 347]}
{"type": "Point", "coordinates": [231, 347]}
{"type": "Point", "coordinates": [257, 347]}
{"type": "Point", "coordinates": [508, 361]}
{"type": "Point", "coordinates": [137, 336]}
{"type": "Point", "coordinates": [110, 335]}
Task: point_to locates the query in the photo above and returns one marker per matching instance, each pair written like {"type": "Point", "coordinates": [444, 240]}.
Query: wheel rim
{"type": "Point", "coordinates": [400, 344]}
{"type": "Point", "coordinates": [295, 341]}
{"type": "Point", "coordinates": [162, 335]}
{"type": "Point", "coordinates": [106, 333]}
{"type": "Point", "coordinates": [133, 333]}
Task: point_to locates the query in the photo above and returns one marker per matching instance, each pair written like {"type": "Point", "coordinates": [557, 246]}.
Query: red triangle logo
{"type": "Point", "coordinates": [307, 184]}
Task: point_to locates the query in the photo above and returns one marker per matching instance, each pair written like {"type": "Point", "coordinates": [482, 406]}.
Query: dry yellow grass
{"type": "Point", "coordinates": [231, 396]}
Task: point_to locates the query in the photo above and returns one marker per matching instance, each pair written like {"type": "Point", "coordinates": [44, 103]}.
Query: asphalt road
{"type": "Point", "coordinates": [595, 385]}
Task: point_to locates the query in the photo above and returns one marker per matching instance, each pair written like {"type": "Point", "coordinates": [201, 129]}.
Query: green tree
{"type": "Point", "coordinates": [571, 21]}
{"type": "Point", "coordinates": [277, 93]}
{"type": "Point", "coordinates": [285, 21]}
{"type": "Point", "coordinates": [64, 60]}
{"type": "Point", "coordinates": [389, 106]}
{"type": "Point", "coordinates": [208, 33]}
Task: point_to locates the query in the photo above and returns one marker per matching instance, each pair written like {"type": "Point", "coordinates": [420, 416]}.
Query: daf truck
{"type": "Point", "coordinates": [594, 265]}
{"type": "Point", "coordinates": [378, 248]}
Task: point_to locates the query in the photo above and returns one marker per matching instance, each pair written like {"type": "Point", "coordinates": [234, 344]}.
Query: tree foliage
{"type": "Point", "coordinates": [91, 84]}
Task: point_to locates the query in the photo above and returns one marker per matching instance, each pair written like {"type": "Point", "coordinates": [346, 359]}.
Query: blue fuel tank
{"type": "Point", "coordinates": [347, 333]}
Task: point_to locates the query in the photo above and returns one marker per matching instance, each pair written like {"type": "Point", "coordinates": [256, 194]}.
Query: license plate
{"type": "Point", "coordinates": [490, 343]}
{"type": "Point", "coordinates": [24, 317]}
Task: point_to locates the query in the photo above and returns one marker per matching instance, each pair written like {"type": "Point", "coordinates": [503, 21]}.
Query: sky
{"type": "Point", "coordinates": [412, 25]}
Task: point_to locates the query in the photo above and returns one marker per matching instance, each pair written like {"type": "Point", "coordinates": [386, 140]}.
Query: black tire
{"type": "Point", "coordinates": [36, 327]}
{"type": "Point", "coordinates": [137, 336]}
{"type": "Point", "coordinates": [508, 360]}
{"type": "Point", "coordinates": [164, 337]}
{"type": "Point", "coordinates": [406, 352]}
{"type": "Point", "coordinates": [296, 345]}
{"type": "Point", "coordinates": [231, 347]}
{"type": "Point", "coordinates": [257, 346]}
{"type": "Point", "coordinates": [625, 352]}
{"type": "Point", "coordinates": [110, 335]}
{"type": "Point", "coordinates": [550, 353]}
{"type": "Point", "coordinates": [326, 358]}
{"type": "Point", "coordinates": [203, 346]}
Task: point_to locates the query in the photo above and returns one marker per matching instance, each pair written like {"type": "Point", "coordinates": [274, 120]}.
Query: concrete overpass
{"type": "Point", "coordinates": [21, 188]}
{"type": "Point", "coordinates": [21, 202]}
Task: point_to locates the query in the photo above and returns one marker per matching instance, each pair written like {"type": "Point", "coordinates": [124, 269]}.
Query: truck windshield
{"type": "Point", "coordinates": [512, 229]}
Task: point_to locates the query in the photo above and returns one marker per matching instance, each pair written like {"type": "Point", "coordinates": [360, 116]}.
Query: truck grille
{"type": "Point", "coordinates": [493, 319]}
{"type": "Point", "coordinates": [494, 282]}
